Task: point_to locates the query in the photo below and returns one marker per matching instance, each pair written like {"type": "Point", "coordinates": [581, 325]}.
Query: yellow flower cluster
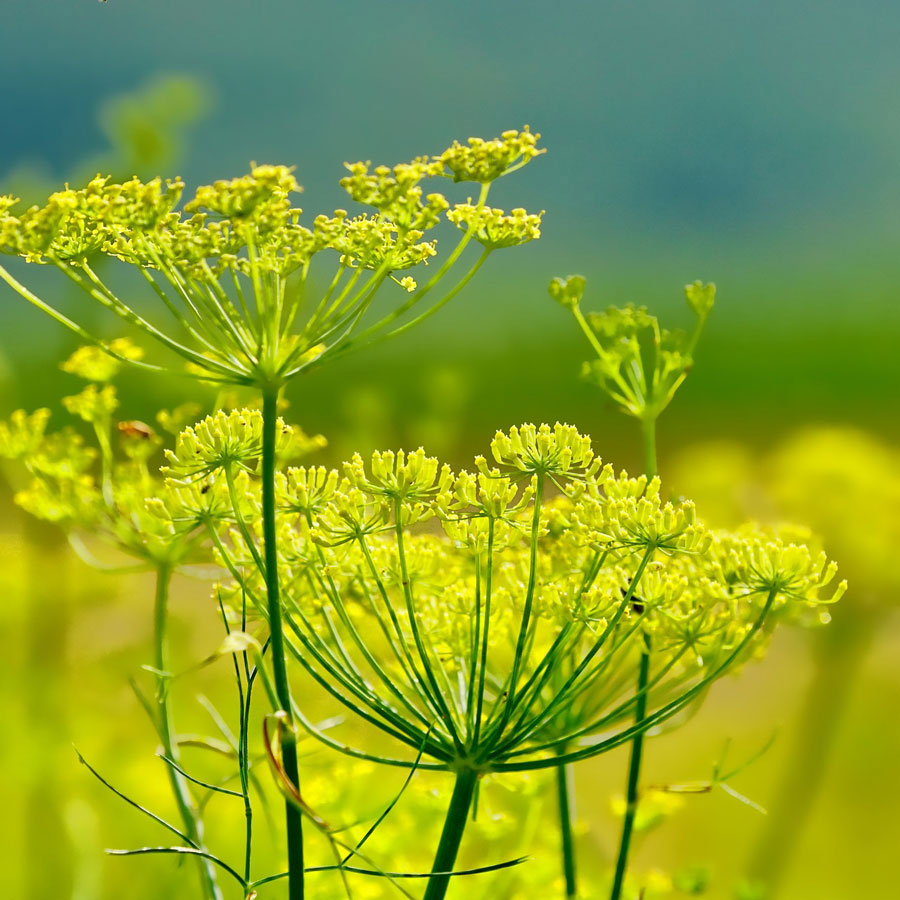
{"type": "Point", "coordinates": [485, 161]}
{"type": "Point", "coordinates": [396, 193]}
{"type": "Point", "coordinates": [493, 229]}
{"type": "Point", "coordinates": [219, 264]}
{"type": "Point", "coordinates": [483, 617]}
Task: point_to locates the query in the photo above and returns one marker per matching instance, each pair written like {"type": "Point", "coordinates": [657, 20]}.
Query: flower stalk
{"type": "Point", "coordinates": [293, 816]}
{"type": "Point", "coordinates": [636, 752]}
{"type": "Point", "coordinates": [634, 774]}
{"type": "Point", "coordinates": [451, 836]}
{"type": "Point", "coordinates": [564, 795]}
{"type": "Point", "coordinates": [187, 808]}
{"type": "Point", "coordinates": [639, 366]}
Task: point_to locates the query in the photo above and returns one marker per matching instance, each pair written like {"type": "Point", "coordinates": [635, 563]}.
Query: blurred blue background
{"type": "Point", "coordinates": [756, 145]}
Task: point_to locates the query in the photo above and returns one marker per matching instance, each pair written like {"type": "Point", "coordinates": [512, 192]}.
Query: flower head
{"type": "Point", "coordinates": [262, 196]}
{"type": "Point", "coordinates": [557, 451]}
{"type": "Point", "coordinates": [232, 269]}
{"type": "Point", "coordinates": [498, 623]}
{"type": "Point", "coordinates": [223, 440]}
{"type": "Point", "coordinates": [493, 228]}
{"type": "Point", "coordinates": [568, 291]}
{"type": "Point", "coordinates": [485, 161]}
{"type": "Point", "coordinates": [639, 364]}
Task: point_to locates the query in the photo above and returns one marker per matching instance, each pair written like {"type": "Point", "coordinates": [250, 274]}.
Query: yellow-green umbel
{"type": "Point", "coordinates": [493, 621]}
{"type": "Point", "coordinates": [235, 272]}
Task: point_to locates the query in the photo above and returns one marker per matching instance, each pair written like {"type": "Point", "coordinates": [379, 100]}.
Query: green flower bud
{"type": "Point", "coordinates": [568, 291]}
{"type": "Point", "coordinates": [700, 297]}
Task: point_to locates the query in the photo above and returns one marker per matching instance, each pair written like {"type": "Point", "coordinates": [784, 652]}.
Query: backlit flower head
{"type": "Point", "coordinates": [410, 482]}
{"type": "Point", "coordinates": [500, 623]}
{"type": "Point", "coordinates": [790, 571]}
{"type": "Point", "coordinates": [557, 451]}
{"type": "Point", "coordinates": [493, 228]}
{"type": "Point", "coordinates": [306, 491]}
{"type": "Point", "coordinates": [396, 191]}
{"type": "Point", "coordinates": [263, 195]}
{"type": "Point", "coordinates": [22, 433]}
{"type": "Point", "coordinates": [93, 404]}
{"type": "Point", "coordinates": [700, 297]}
{"type": "Point", "coordinates": [350, 515]}
{"type": "Point", "coordinates": [230, 273]}
{"type": "Point", "coordinates": [232, 439]}
{"type": "Point", "coordinates": [628, 514]}
{"type": "Point", "coordinates": [568, 291]}
{"type": "Point", "coordinates": [485, 161]}
{"type": "Point", "coordinates": [201, 502]}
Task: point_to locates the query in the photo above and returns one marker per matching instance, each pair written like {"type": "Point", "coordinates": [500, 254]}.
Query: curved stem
{"type": "Point", "coordinates": [634, 773]}
{"type": "Point", "coordinates": [294, 818]}
{"type": "Point", "coordinates": [190, 817]}
{"type": "Point", "coordinates": [451, 836]}
{"type": "Point", "coordinates": [564, 794]}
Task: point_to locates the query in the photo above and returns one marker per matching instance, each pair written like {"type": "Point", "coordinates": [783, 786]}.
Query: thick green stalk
{"type": "Point", "coordinates": [293, 816]}
{"type": "Point", "coordinates": [564, 792]}
{"type": "Point", "coordinates": [187, 809]}
{"type": "Point", "coordinates": [451, 836]}
{"type": "Point", "coordinates": [634, 772]}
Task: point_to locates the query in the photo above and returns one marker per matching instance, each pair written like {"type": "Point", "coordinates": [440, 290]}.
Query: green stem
{"type": "Point", "coordinates": [564, 792]}
{"type": "Point", "coordinates": [193, 826]}
{"type": "Point", "coordinates": [451, 836]}
{"type": "Point", "coordinates": [634, 772]}
{"type": "Point", "coordinates": [294, 818]}
{"type": "Point", "coordinates": [648, 431]}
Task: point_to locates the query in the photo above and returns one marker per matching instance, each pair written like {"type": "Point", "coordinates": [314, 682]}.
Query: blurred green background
{"type": "Point", "coordinates": [756, 145]}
